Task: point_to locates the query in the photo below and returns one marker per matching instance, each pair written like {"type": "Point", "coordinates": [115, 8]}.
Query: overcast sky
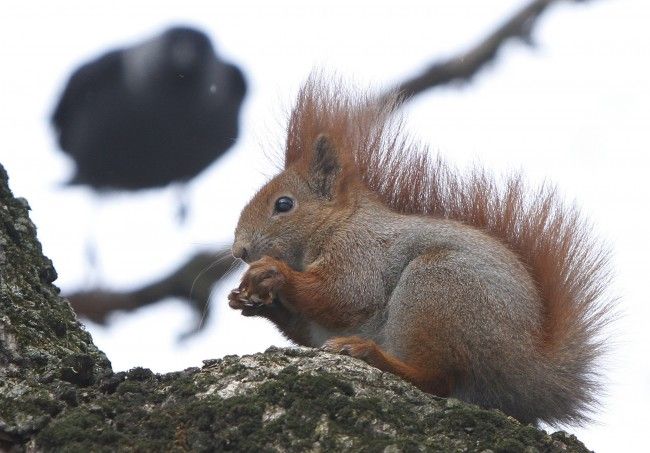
{"type": "Point", "coordinates": [573, 111]}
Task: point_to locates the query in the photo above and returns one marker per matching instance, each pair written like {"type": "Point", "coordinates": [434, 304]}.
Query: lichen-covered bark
{"type": "Point", "coordinates": [46, 357]}
{"type": "Point", "coordinates": [284, 400]}
{"type": "Point", "coordinates": [58, 393]}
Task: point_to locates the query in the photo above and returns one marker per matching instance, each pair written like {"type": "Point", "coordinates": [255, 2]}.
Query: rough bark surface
{"type": "Point", "coordinates": [58, 392]}
{"type": "Point", "coordinates": [46, 357]}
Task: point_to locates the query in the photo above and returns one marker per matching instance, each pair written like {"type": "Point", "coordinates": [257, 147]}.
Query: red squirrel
{"type": "Point", "coordinates": [487, 292]}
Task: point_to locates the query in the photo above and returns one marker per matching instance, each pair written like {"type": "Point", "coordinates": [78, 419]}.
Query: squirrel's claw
{"type": "Point", "coordinates": [254, 301]}
{"type": "Point", "coordinates": [240, 299]}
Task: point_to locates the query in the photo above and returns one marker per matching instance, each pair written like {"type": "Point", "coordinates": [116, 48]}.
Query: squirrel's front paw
{"type": "Point", "coordinates": [260, 284]}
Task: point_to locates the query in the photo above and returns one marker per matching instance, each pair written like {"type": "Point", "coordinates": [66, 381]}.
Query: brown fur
{"type": "Point", "coordinates": [462, 284]}
{"type": "Point", "coordinates": [568, 265]}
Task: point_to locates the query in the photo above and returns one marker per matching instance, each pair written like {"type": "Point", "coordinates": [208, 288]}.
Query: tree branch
{"type": "Point", "coordinates": [59, 393]}
{"type": "Point", "coordinates": [193, 282]}
{"type": "Point", "coordinates": [464, 66]}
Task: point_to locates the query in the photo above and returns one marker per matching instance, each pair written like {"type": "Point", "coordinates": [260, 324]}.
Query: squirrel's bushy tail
{"type": "Point", "coordinates": [569, 267]}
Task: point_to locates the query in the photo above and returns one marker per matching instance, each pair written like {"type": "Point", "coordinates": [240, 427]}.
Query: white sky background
{"type": "Point", "coordinates": [574, 111]}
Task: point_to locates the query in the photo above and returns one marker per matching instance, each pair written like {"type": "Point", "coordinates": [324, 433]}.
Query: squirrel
{"type": "Point", "coordinates": [367, 246]}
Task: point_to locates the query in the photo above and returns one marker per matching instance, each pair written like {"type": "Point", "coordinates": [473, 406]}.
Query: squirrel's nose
{"type": "Point", "coordinates": [239, 251]}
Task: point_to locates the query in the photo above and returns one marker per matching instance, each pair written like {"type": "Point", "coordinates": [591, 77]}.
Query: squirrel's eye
{"type": "Point", "coordinates": [283, 204]}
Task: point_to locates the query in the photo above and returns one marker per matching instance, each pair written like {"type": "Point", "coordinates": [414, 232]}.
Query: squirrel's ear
{"type": "Point", "coordinates": [324, 168]}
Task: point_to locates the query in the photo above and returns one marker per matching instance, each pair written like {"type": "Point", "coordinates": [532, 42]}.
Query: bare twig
{"type": "Point", "coordinates": [464, 66]}
{"type": "Point", "coordinates": [192, 282]}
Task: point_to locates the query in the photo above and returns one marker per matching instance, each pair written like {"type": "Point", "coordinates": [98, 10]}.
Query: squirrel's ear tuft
{"type": "Point", "coordinates": [324, 168]}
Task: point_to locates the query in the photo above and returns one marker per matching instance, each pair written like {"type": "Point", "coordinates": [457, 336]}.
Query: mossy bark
{"type": "Point", "coordinates": [58, 392]}
{"type": "Point", "coordinates": [46, 357]}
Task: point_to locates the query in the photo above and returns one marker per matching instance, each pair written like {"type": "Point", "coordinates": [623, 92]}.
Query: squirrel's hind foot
{"type": "Point", "coordinates": [371, 353]}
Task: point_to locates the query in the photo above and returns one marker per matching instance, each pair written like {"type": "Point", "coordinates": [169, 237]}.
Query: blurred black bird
{"type": "Point", "coordinates": [145, 116]}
